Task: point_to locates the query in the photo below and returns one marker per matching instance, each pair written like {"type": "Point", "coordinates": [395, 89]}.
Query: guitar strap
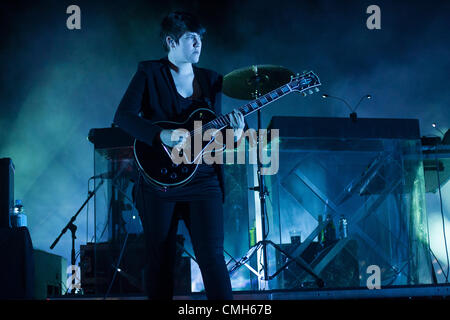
{"type": "Point", "coordinates": [205, 86]}
{"type": "Point", "coordinates": [208, 97]}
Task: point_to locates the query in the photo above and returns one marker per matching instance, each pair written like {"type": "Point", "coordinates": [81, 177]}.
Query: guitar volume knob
{"type": "Point", "coordinates": [164, 171]}
{"type": "Point", "coordinates": [173, 175]}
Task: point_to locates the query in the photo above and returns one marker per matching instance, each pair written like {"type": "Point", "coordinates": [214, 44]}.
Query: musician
{"type": "Point", "coordinates": [168, 89]}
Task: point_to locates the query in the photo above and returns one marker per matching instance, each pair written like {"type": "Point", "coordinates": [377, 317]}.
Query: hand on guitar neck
{"type": "Point", "coordinates": [237, 123]}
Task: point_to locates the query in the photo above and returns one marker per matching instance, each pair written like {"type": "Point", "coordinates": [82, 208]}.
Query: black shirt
{"type": "Point", "coordinates": [205, 184]}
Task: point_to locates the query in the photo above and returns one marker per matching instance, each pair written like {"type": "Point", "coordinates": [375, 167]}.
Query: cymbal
{"type": "Point", "coordinates": [244, 83]}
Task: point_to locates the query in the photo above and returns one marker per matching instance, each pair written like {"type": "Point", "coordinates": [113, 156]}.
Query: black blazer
{"type": "Point", "coordinates": [151, 97]}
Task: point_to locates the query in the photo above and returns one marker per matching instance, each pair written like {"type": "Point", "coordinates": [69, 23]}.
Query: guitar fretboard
{"type": "Point", "coordinates": [224, 120]}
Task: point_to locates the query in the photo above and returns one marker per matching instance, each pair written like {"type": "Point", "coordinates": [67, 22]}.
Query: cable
{"type": "Point", "coordinates": [267, 215]}
{"type": "Point", "coordinates": [437, 260]}
{"type": "Point", "coordinates": [446, 274]}
{"type": "Point", "coordinates": [429, 248]}
{"type": "Point", "coordinates": [116, 267]}
{"type": "Point", "coordinates": [87, 213]}
{"type": "Point", "coordinates": [442, 214]}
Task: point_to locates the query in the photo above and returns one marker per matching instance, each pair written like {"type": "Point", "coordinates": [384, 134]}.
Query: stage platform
{"type": "Point", "coordinates": [439, 292]}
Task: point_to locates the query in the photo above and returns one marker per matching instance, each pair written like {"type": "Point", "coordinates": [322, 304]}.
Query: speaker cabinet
{"type": "Point", "coordinates": [16, 264]}
{"type": "Point", "coordinates": [6, 191]}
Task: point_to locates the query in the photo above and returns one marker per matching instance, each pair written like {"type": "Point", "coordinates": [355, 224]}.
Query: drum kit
{"type": "Point", "coordinates": [247, 84]}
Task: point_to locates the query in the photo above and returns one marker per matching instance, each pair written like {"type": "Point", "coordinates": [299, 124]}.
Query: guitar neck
{"type": "Point", "coordinates": [259, 103]}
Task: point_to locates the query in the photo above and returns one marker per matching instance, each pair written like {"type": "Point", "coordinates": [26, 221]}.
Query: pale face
{"type": "Point", "coordinates": [188, 48]}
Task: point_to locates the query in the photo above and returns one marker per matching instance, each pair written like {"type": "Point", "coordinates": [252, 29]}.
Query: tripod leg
{"type": "Point", "coordinates": [245, 258]}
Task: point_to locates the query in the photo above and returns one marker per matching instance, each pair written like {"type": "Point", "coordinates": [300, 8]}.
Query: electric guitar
{"type": "Point", "coordinates": [156, 162]}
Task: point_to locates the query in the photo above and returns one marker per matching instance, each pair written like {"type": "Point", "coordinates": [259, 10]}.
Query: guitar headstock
{"type": "Point", "coordinates": [306, 82]}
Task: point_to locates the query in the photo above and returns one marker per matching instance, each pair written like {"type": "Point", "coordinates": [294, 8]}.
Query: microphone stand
{"type": "Point", "coordinates": [73, 228]}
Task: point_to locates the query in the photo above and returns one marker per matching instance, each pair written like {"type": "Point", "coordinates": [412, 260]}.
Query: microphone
{"type": "Point", "coordinates": [337, 98]}
{"type": "Point", "coordinates": [434, 125]}
{"type": "Point", "coordinates": [353, 115]}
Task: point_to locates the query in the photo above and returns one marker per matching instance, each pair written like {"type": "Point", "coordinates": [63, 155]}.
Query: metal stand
{"type": "Point", "coordinates": [262, 190]}
{"type": "Point", "coordinates": [73, 228]}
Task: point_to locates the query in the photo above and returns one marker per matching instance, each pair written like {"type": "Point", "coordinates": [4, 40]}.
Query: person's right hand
{"type": "Point", "coordinates": [171, 138]}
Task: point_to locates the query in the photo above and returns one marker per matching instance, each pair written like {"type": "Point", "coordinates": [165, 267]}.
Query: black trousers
{"type": "Point", "coordinates": [204, 221]}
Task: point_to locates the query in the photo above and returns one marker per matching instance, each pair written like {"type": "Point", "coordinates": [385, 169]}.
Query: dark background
{"type": "Point", "coordinates": [56, 83]}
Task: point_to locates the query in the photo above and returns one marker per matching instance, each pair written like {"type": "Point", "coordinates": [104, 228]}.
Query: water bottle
{"type": "Point", "coordinates": [342, 227]}
{"type": "Point", "coordinates": [19, 218]}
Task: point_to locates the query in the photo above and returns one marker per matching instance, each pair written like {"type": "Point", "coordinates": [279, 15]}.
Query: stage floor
{"type": "Point", "coordinates": [441, 291]}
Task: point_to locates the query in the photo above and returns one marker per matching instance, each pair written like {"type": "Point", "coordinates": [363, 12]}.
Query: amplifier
{"type": "Point", "coordinates": [97, 263]}
{"type": "Point", "coordinates": [50, 275]}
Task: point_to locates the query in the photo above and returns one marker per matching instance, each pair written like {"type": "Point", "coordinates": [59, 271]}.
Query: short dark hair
{"type": "Point", "coordinates": [176, 24]}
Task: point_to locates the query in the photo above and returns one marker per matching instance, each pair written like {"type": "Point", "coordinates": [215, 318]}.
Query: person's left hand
{"type": "Point", "coordinates": [237, 120]}
{"type": "Point", "coordinates": [237, 123]}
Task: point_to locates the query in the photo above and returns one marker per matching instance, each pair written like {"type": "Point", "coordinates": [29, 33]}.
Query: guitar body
{"type": "Point", "coordinates": [155, 163]}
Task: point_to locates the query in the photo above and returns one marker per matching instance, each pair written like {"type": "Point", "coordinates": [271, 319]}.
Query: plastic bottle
{"type": "Point", "coordinates": [19, 218]}
{"type": "Point", "coordinates": [342, 228]}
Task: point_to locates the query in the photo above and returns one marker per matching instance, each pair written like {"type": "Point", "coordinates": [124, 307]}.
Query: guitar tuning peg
{"type": "Point", "coordinates": [316, 89]}
{"type": "Point", "coordinates": [304, 94]}
{"type": "Point", "coordinates": [297, 74]}
{"type": "Point", "coordinates": [310, 91]}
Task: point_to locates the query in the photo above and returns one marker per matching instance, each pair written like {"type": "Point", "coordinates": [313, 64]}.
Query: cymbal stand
{"type": "Point", "coordinates": [262, 244]}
